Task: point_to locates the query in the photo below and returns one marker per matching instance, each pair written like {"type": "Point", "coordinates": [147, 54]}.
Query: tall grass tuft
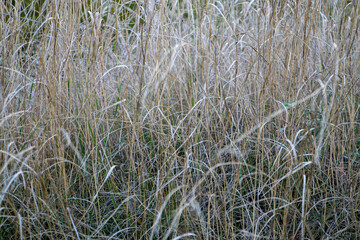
{"type": "Point", "coordinates": [179, 119]}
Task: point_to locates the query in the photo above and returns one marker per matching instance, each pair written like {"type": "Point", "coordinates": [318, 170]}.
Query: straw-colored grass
{"type": "Point", "coordinates": [179, 119]}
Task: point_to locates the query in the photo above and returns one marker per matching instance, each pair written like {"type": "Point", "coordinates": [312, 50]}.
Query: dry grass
{"type": "Point", "coordinates": [179, 119]}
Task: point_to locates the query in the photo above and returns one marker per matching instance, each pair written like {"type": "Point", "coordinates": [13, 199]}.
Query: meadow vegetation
{"type": "Point", "coordinates": [179, 119]}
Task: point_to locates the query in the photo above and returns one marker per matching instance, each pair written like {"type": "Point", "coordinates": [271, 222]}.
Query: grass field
{"type": "Point", "coordinates": [179, 119]}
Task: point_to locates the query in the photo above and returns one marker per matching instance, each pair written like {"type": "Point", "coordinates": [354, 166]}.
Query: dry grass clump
{"type": "Point", "coordinates": [179, 119]}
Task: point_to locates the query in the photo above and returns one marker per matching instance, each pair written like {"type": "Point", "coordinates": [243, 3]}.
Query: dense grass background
{"type": "Point", "coordinates": [179, 119]}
